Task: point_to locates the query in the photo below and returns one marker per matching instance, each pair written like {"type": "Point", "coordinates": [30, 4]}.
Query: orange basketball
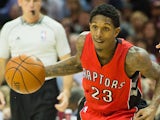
{"type": "Point", "coordinates": [25, 74]}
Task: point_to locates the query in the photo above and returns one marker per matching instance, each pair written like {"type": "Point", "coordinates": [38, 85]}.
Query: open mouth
{"type": "Point", "coordinates": [99, 41]}
{"type": "Point", "coordinates": [33, 12]}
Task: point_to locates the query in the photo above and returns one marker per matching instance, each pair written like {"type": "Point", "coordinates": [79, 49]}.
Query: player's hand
{"type": "Point", "coordinates": [2, 100]}
{"type": "Point", "coordinates": [63, 101]}
{"type": "Point", "coordinates": [147, 113]}
{"type": "Point", "coordinates": [158, 46]}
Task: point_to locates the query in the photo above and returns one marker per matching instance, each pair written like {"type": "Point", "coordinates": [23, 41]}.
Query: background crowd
{"type": "Point", "coordinates": [140, 24]}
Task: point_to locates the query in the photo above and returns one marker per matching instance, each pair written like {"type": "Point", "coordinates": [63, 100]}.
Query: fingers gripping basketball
{"type": "Point", "coordinates": [25, 74]}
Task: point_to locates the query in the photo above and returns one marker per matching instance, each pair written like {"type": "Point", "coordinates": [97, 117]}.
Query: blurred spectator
{"type": "Point", "coordinates": [127, 10]}
{"type": "Point", "coordinates": [54, 8]}
{"type": "Point", "coordinates": [67, 24]}
{"type": "Point", "coordinates": [141, 43]}
{"type": "Point", "coordinates": [125, 14]}
{"type": "Point", "coordinates": [83, 21]}
{"type": "Point", "coordinates": [125, 27]}
{"type": "Point", "coordinates": [131, 39]}
{"type": "Point", "coordinates": [8, 10]}
{"type": "Point", "coordinates": [150, 37]}
{"type": "Point", "coordinates": [95, 3]}
{"type": "Point", "coordinates": [148, 87]}
{"type": "Point", "coordinates": [73, 10]}
{"type": "Point", "coordinates": [85, 5]}
{"type": "Point", "coordinates": [117, 3]}
{"type": "Point", "coordinates": [155, 13]}
{"type": "Point", "coordinates": [141, 5]}
{"type": "Point", "coordinates": [137, 20]}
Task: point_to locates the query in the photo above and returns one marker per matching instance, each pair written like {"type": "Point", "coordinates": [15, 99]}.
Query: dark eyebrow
{"type": "Point", "coordinates": [107, 23]}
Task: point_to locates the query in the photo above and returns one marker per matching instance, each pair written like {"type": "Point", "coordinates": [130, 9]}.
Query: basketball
{"type": "Point", "coordinates": [25, 74]}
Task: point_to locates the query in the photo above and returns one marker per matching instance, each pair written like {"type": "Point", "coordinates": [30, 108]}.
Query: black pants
{"type": "Point", "coordinates": [80, 106]}
{"type": "Point", "coordinates": [35, 106]}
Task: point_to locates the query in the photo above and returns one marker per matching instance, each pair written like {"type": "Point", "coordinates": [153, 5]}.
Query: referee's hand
{"type": "Point", "coordinates": [2, 100]}
{"type": "Point", "coordinates": [63, 101]}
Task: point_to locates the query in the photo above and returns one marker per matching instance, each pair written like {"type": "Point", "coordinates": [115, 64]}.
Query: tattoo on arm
{"type": "Point", "coordinates": [65, 67]}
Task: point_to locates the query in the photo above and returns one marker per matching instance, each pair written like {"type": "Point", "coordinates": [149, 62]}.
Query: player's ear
{"type": "Point", "coordinates": [117, 30]}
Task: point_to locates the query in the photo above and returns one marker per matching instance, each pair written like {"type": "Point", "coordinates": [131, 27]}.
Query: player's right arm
{"type": "Point", "coordinates": [138, 59]}
{"type": "Point", "coordinates": [69, 66]}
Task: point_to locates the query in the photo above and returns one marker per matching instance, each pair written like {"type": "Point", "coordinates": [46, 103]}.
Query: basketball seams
{"type": "Point", "coordinates": [32, 74]}
{"type": "Point", "coordinates": [33, 64]}
{"type": "Point", "coordinates": [13, 74]}
{"type": "Point", "coordinates": [23, 81]}
{"type": "Point", "coordinates": [24, 58]}
{"type": "Point", "coordinates": [29, 62]}
{"type": "Point", "coordinates": [16, 62]}
{"type": "Point", "coordinates": [23, 61]}
{"type": "Point", "coordinates": [12, 79]}
{"type": "Point", "coordinates": [16, 69]}
{"type": "Point", "coordinates": [26, 63]}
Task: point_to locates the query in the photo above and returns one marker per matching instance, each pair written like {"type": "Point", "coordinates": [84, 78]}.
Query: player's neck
{"type": "Point", "coordinates": [104, 55]}
{"type": "Point", "coordinates": [108, 50]}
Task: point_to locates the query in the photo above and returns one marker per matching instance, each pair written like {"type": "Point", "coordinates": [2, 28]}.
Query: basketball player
{"type": "Point", "coordinates": [36, 34]}
{"type": "Point", "coordinates": [112, 69]}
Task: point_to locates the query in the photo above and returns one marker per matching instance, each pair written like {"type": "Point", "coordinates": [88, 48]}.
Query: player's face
{"type": "Point", "coordinates": [103, 31]}
{"type": "Point", "coordinates": [30, 8]}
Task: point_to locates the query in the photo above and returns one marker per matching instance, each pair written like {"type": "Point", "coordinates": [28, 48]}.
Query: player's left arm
{"type": "Point", "coordinates": [139, 60]}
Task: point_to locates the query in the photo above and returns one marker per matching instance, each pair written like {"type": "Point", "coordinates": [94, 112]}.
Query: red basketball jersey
{"type": "Point", "coordinates": [107, 88]}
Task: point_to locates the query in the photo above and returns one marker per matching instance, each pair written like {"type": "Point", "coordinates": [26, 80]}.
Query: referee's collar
{"type": "Point", "coordinates": [38, 22]}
